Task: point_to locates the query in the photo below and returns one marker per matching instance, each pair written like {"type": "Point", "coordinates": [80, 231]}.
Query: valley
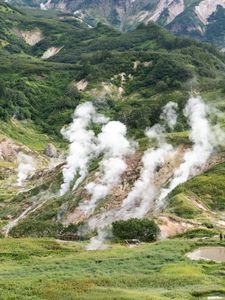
{"type": "Point", "coordinates": [99, 127]}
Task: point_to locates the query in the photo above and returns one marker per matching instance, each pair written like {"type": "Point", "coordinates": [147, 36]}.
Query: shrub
{"type": "Point", "coordinates": [144, 230]}
{"type": "Point", "coordinates": [33, 228]}
{"type": "Point", "coordinates": [69, 233]}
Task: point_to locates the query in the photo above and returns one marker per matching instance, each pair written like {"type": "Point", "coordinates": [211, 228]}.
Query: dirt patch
{"type": "Point", "coordinates": [166, 171]}
{"type": "Point", "coordinates": [171, 226]}
{"type": "Point", "coordinates": [52, 51]}
{"type": "Point", "coordinates": [31, 37]}
{"type": "Point", "coordinates": [81, 85]}
{"type": "Point", "coordinates": [136, 64]}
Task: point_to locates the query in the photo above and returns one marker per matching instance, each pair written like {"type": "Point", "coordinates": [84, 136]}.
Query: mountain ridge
{"type": "Point", "coordinates": [193, 18]}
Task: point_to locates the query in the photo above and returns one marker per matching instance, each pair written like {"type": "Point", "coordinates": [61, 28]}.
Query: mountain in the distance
{"type": "Point", "coordinates": [202, 19]}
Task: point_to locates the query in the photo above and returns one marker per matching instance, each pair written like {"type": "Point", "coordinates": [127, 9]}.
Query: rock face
{"type": "Point", "coordinates": [8, 150]}
{"type": "Point", "coordinates": [51, 151]}
{"type": "Point", "coordinates": [206, 8]}
{"type": "Point", "coordinates": [181, 17]}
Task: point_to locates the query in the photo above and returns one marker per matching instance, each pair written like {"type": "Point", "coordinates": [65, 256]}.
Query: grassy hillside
{"type": "Point", "coordinates": [179, 17]}
{"type": "Point", "coordinates": [208, 188]}
{"type": "Point", "coordinates": [129, 77]}
{"type": "Point", "coordinates": [46, 269]}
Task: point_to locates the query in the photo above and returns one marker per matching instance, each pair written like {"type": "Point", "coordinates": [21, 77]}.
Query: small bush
{"type": "Point", "coordinates": [144, 230]}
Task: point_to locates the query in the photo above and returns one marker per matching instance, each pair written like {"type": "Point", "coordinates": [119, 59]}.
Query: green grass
{"type": "Point", "coordinates": [183, 207]}
{"type": "Point", "coordinates": [26, 133]}
{"type": "Point", "coordinates": [45, 269]}
{"type": "Point", "coordinates": [208, 187]}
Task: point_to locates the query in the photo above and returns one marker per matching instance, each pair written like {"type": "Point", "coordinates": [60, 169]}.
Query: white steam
{"type": "Point", "coordinates": [147, 194]}
{"type": "Point", "coordinates": [141, 198]}
{"type": "Point", "coordinates": [26, 168]}
{"type": "Point", "coordinates": [203, 140]}
{"type": "Point", "coordinates": [112, 142]}
{"type": "Point", "coordinates": [169, 114]}
{"type": "Point", "coordinates": [98, 242]}
{"type": "Point", "coordinates": [82, 145]}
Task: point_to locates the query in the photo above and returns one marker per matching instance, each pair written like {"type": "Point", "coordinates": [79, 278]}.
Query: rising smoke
{"type": "Point", "coordinates": [141, 198]}
{"type": "Point", "coordinates": [26, 167]}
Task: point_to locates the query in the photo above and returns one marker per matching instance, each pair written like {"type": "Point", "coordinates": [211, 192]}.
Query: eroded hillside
{"type": "Point", "coordinates": [48, 68]}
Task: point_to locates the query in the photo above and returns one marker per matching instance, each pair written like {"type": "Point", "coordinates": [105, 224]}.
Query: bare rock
{"type": "Point", "coordinates": [51, 151]}
{"type": "Point", "coordinates": [8, 150]}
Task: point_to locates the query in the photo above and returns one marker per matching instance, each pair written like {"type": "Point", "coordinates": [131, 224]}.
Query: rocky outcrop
{"type": "Point", "coordinates": [9, 150]}
{"type": "Point", "coordinates": [206, 8]}
{"type": "Point", "coordinates": [51, 151]}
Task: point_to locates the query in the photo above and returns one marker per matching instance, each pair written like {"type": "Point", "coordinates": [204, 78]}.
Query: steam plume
{"type": "Point", "coordinates": [82, 144]}
{"type": "Point", "coordinates": [202, 137]}
{"type": "Point", "coordinates": [169, 114]}
{"type": "Point", "coordinates": [113, 143]}
{"type": "Point", "coordinates": [141, 198]}
{"type": "Point", "coordinates": [25, 167]}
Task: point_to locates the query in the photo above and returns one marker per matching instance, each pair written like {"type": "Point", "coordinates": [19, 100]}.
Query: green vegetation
{"type": "Point", "coordinates": [185, 23]}
{"type": "Point", "coordinates": [38, 97]}
{"type": "Point", "coordinates": [208, 188]}
{"type": "Point", "coordinates": [45, 90]}
{"type": "Point", "coordinates": [36, 229]}
{"type": "Point", "coordinates": [46, 269]}
{"type": "Point", "coordinates": [27, 133]}
{"type": "Point", "coordinates": [198, 233]}
{"type": "Point", "coordinates": [144, 230]}
{"type": "Point", "coordinates": [182, 206]}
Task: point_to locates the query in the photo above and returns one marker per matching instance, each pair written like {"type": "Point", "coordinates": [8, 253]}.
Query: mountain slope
{"type": "Point", "coordinates": [195, 18]}
{"type": "Point", "coordinates": [128, 76]}
{"type": "Point", "coordinates": [154, 62]}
